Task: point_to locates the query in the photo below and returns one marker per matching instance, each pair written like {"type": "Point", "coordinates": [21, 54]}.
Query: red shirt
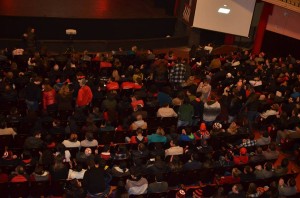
{"type": "Point", "coordinates": [49, 98]}
{"type": "Point", "coordinates": [19, 178]}
{"type": "Point", "coordinates": [84, 96]}
{"type": "Point", "coordinates": [243, 159]}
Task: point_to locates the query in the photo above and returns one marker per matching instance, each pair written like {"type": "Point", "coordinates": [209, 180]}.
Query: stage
{"type": "Point", "coordinates": [100, 24]}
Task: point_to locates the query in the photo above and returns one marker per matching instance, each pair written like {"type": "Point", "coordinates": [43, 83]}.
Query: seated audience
{"type": "Point", "coordinates": [158, 186]}
{"type": "Point", "coordinates": [136, 184]}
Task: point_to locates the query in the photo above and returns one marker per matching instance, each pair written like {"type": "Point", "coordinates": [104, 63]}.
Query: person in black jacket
{"type": "Point", "coordinates": [33, 94]}
{"type": "Point", "coordinates": [95, 180]}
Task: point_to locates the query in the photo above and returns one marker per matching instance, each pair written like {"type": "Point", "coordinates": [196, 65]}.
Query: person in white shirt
{"type": "Point", "coordinates": [166, 111]}
{"type": "Point", "coordinates": [174, 149]}
{"type": "Point", "coordinates": [89, 141]}
{"type": "Point", "coordinates": [72, 141]}
{"type": "Point", "coordinates": [77, 173]}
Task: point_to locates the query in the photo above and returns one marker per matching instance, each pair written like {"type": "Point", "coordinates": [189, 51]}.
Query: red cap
{"type": "Point", "coordinates": [243, 151]}
{"type": "Point", "coordinates": [202, 127]}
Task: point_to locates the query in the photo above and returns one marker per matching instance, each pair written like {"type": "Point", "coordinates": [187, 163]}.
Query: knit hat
{"type": "Point", "coordinates": [243, 151]}
{"type": "Point", "coordinates": [217, 125]}
{"type": "Point", "coordinates": [202, 127]}
{"type": "Point", "coordinates": [180, 194]}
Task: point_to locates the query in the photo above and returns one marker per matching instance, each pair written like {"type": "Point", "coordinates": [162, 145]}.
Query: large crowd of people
{"type": "Point", "coordinates": [228, 113]}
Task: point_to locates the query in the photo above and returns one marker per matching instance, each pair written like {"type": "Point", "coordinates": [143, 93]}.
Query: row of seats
{"type": "Point", "coordinates": [56, 188]}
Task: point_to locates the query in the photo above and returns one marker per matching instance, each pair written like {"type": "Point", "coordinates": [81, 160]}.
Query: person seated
{"type": "Point", "coordinates": [40, 174]}
{"type": "Point", "coordinates": [72, 142]}
{"type": "Point", "coordinates": [122, 153]}
{"type": "Point", "coordinates": [237, 192]}
{"type": "Point", "coordinates": [203, 133]}
{"type": "Point", "coordinates": [166, 111]}
{"type": "Point", "coordinates": [193, 163]}
{"type": "Point", "coordinates": [174, 149]}
{"type": "Point", "coordinates": [158, 186]}
{"type": "Point", "coordinates": [19, 175]}
{"type": "Point", "coordinates": [247, 174]}
{"type": "Point", "coordinates": [90, 126]}
{"type": "Point", "coordinates": [232, 129]}
{"type": "Point", "coordinates": [89, 141]}
{"type": "Point", "coordinates": [105, 154]}
{"type": "Point", "coordinates": [258, 156]}
{"type": "Point", "coordinates": [77, 172]}
{"type": "Point", "coordinates": [136, 184]}
{"type": "Point", "coordinates": [265, 139]}
{"type": "Point", "coordinates": [157, 165]}
{"type": "Point", "coordinates": [74, 189]}
{"type": "Point", "coordinates": [242, 158]}
{"type": "Point", "coordinates": [283, 168]}
{"type": "Point", "coordinates": [4, 130]}
{"type": "Point", "coordinates": [186, 135]}
{"type": "Point", "coordinates": [159, 136]}
{"type": "Point", "coordinates": [9, 159]}
{"type": "Point", "coordinates": [96, 180]}
{"type": "Point", "coordinates": [138, 138]}
{"type": "Point", "coordinates": [175, 163]}
{"type": "Point", "coordinates": [84, 157]}
{"type": "Point", "coordinates": [209, 48]}
{"type": "Point", "coordinates": [120, 170]}
{"type": "Point", "coordinates": [230, 179]}
{"type": "Point", "coordinates": [264, 173]}
{"type": "Point", "coordinates": [253, 191]}
{"type": "Point", "coordinates": [34, 142]}
{"type": "Point", "coordinates": [287, 189]}
{"type": "Point", "coordinates": [273, 111]}
{"type": "Point", "coordinates": [204, 147]}
{"type": "Point", "coordinates": [249, 142]}
{"type": "Point", "coordinates": [139, 123]}
{"type": "Point", "coordinates": [271, 153]}
{"type": "Point", "coordinates": [141, 152]}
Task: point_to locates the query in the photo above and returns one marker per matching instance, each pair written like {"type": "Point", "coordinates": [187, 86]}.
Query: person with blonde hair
{"type": "Point", "coordinates": [64, 98]}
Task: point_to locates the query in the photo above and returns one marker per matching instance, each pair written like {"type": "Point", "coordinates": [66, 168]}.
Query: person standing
{"type": "Point", "coordinates": [33, 94]}
{"type": "Point", "coordinates": [30, 40]}
{"type": "Point", "coordinates": [177, 74]}
{"type": "Point", "coordinates": [85, 95]}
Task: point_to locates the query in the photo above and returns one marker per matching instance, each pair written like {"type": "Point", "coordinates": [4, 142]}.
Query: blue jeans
{"type": "Point", "coordinates": [32, 105]}
{"type": "Point", "coordinates": [181, 123]}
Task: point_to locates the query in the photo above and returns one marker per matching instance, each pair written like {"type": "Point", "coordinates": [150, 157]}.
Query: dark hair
{"type": "Point", "coordinates": [141, 147]}
{"type": "Point", "coordinates": [78, 167]}
{"type": "Point", "coordinates": [123, 166]}
{"type": "Point", "coordinates": [259, 150]}
{"type": "Point", "coordinates": [159, 177]}
{"type": "Point", "coordinates": [292, 182]}
{"type": "Point", "coordinates": [268, 166]}
{"type": "Point", "coordinates": [272, 147]}
{"type": "Point", "coordinates": [39, 170]}
{"type": "Point", "coordinates": [89, 136]}
{"type": "Point", "coordinates": [251, 189]}
{"type": "Point", "coordinates": [265, 134]}
{"type": "Point", "coordinates": [284, 162]}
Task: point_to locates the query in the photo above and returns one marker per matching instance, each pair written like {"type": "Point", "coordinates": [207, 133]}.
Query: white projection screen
{"type": "Point", "coordinates": [237, 22]}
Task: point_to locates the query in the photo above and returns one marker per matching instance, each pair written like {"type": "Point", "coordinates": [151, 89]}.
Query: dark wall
{"type": "Point", "coordinates": [88, 29]}
{"type": "Point", "coordinates": [279, 45]}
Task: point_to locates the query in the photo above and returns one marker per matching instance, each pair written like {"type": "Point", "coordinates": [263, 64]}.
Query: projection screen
{"type": "Point", "coordinates": [236, 22]}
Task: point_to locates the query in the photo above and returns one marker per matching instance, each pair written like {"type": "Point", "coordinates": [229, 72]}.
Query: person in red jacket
{"type": "Point", "coordinates": [85, 95]}
{"type": "Point", "coordinates": [242, 158]}
{"type": "Point", "coordinates": [49, 97]}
